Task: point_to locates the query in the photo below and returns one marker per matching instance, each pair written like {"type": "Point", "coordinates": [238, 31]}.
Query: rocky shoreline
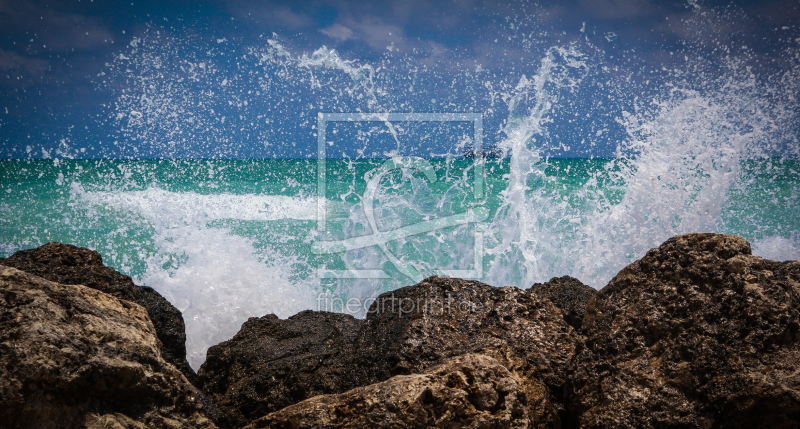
{"type": "Point", "coordinates": [697, 334]}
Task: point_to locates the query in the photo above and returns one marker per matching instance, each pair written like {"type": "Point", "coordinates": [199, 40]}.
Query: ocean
{"type": "Point", "coordinates": [224, 240]}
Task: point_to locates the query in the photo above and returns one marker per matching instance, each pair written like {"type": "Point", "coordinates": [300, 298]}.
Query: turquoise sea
{"type": "Point", "coordinates": [228, 239]}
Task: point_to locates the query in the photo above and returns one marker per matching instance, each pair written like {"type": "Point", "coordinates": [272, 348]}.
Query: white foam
{"type": "Point", "coordinates": [215, 278]}
{"type": "Point", "coordinates": [155, 203]}
{"type": "Point", "coordinates": [682, 156]}
{"type": "Point", "coordinates": [221, 283]}
{"type": "Point", "coordinates": [777, 248]}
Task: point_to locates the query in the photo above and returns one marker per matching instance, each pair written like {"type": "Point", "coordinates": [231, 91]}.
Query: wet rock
{"type": "Point", "coordinates": [72, 356]}
{"type": "Point", "coordinates": [68, 264]}
{"type": "Point", "coordinates": [468, 391]}
{"type": "Point", "coordinates": [569, 295]}
{"type": "Point", "coordinates": [273, 363]}
{"type": "Point", "coordinates": [697, 334]}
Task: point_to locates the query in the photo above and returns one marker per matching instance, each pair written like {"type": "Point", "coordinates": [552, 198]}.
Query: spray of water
{"type": "Point", "coordinates": [698, 153]}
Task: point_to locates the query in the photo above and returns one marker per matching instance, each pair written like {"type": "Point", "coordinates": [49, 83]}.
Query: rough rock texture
{"type": "Point", "coordinates": [413, 328]}
{"type": "Point", "coordinates": [274, 363]}
{"type": "Point", "coordinates": [72, 356]}
{"type": "Point", "coordinates": [471, 391]}
{"type": "Point", "coordinates": [697, 334]}
{"type": "Point", "coordinates": [569, 295]}
{"type": "Point", "coordinates": [68, 264]}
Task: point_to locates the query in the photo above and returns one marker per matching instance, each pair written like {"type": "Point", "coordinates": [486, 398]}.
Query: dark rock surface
{"type": "Point", "coordinates": [273, 363]}
{"type": "Point", "coordinates": [471, 391]}
{"type": "Point", "coordinates": [68, 264]}
{"type": "Point", "coordinates": [569, 295]}
{"type": "Point", "coordinates": [413, 328]}
{"type": "Point", "coordinates": [697, 334]}
{"type": "Point", "coordinates": [72, 356]}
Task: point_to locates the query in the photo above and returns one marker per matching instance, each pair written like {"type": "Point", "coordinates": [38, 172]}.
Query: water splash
{"type": "Point", "coordinates": [701, 151]}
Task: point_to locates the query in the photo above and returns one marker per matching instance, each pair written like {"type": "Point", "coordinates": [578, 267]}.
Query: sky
{"type": "Point", "coordinates": [74, 74]}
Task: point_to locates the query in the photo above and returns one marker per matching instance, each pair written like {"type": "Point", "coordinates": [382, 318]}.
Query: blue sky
{"type": "Point", "coordinates": [71, 71]}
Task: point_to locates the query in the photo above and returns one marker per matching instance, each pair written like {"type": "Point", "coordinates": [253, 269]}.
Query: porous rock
{"type": "Point", "coordinates": [407, 331]}
{"type": "Point", "coordinates": [72, 356]}
{"type": "Point", "coordinates": [569, 295]}
{"type": "Point", "coordinates": [68, 264]}
{"type": "Point", "coordinates": [697, 334]}
{"type": "Point", "coordinates": [272, 363]}
{"type": "Point", "coordinates": [470, 391]}
{"type": "Point", "coordinates": [412, 328]}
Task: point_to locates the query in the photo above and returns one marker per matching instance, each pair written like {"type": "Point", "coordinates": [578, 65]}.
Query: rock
{"type": "Point", "coordinates": [72, 356]}
{"type": "Point", "coordinates": [413, 328]}
{"type": "Point", "coordinates": [68, 264]}
{"type": "Point", "coordinates": [473, 391]}
{"type": "Point", "coordinates": [697, 334]}
{"type": "Point", "coordinates": [276, 363]}
{"type": "Point", "coordinates": [569, 295]}
{"type": "Point", "coordinates": [272, 363]}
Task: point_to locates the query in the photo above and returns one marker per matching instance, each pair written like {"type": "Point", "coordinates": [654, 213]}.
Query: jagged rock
{"type": "Point", "coordinates": [413, 328]}
{"type": "Point", "coordinates": [272, 363]}
{"type": "Point", "coordinates": [68, 264]}
{"type": "Point", "coordinates": [569, 295]}
{"type": "Point", "coordinates": [72, 356]}
{"type": "Point", "coordinates": [697, 334]}
{"type": "Point", "coordinates": [471, 391]}
{"type": "Point", "coordinates": [406, 331]}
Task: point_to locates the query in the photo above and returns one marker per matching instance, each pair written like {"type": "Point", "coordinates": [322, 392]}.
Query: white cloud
{"type": "Point", "coordinates": [338, 32]}
{"type": "Point", "coordinates": [370, 30]}
{"type": "Point", "coordinates": [269, 15]}
{"type": "Point", "coordinates": [11, 60]}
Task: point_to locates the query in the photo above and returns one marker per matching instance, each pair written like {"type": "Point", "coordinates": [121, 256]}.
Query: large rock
{"type": "Point", "coordinates": [471, 391]}
{"type": "Point", "coordinates": [697, 334]}
{"type": "Point", "coordinates": [272, 363]}
{"type": "Point", "coordinates": [276, 363]}
{"type": "Point", "coordinates": [412, 328]}
{"type": "Point", "coordinates": [569, 295]}
{"type": "Point", "coordinates": [68, 264]}
{"type": "Point", "coordinates": [72, 356]}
